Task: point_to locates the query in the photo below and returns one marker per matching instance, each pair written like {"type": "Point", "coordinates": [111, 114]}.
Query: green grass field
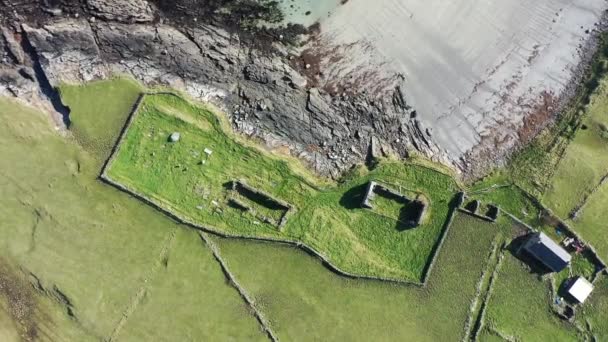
{"type": "Point", "coordinates": [27, 316]}
{"type": "Point", "coordinates": [519, 307]}
{"type": "Point", "coordinates": [304, 301]}
{"type": "Point", "coordinates": [583, 166]}
{"type": "Point", "coordinates": [180, 177]}
{"type": "Point", "coordinates": [9, 330]}
{"type": "Point", "coordinates": [99, 111]}
{"type": "Point", "coordinates": [593, 315]}
{"type": "Point", "coordinates": [189, 284]}
{"type": "Point", "coordinates": [592, 222]}
{"type": "Point", "coordinates": [129, 273]}
{"type": "Point", "coordinates": [94, 244]}
{"type": "Point", "coordinates": [585, 161]}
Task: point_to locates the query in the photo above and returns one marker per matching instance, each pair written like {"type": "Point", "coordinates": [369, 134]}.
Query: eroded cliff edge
{"type": "Point", "coordinates": [264, 79]}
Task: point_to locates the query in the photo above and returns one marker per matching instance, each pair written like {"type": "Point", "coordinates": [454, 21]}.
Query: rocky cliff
{"type": "Point", "coordinates": [213, 50]}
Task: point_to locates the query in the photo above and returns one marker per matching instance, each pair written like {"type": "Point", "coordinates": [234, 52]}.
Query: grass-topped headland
{"type": "Point", "coordinates": [193, 178]}
{"type": "Point", "coordinates": [70, 231]}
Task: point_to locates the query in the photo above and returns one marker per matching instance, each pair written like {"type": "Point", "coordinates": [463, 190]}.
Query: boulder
{"type": "Point", "coordinates": [174, 137]}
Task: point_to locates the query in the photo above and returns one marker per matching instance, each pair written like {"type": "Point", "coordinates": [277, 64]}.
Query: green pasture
{"type": "Point", "coordinates": [584, 164]}
{"type": "Point", "coordinates": [519, 306]}
{"type": "Point", "coordinates": [108, 266]}
{"type": "Point", "coordinates": [592, 315]}
{"type": "Point", "coordinates": [87, 241]}
{"type": "Point", "coordinates": [585, 161]}
{"type": "Point", "coordinates": [99, 110]}
{"type": "Point", "coordinates": [191, 293]}
{"type": "Point", "coordinates": [304, 301]}
{"type": "Point", "coordinates": [592, 224]}
{"type": "Point", "coordinates": [182, 178]}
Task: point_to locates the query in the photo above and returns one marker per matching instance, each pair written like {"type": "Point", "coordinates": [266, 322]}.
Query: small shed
{"type": "Point", "coordinates": [580, 289]}
{"type": "Point", "coordinates": [547, 252]}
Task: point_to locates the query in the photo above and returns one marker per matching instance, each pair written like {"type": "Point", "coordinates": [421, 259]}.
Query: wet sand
{"type": "Point", "coordinates": [473, 69]}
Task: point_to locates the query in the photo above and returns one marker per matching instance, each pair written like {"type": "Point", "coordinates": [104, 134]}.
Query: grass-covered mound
{"type": "Point", "coordinates": [196, 186]}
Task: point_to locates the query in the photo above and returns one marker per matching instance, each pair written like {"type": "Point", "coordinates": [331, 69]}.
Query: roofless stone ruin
{"type": "Point", "coordinates": [417, 206]}
{"type": "Point", "coordinates": [260, 204]}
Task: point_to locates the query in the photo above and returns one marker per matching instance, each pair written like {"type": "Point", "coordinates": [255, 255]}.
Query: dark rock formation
{"type": "Point", "coordinates": [260, 89]}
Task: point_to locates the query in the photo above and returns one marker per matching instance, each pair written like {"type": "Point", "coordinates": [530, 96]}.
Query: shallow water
{"type": "Point", "coordinates": [307, 12]}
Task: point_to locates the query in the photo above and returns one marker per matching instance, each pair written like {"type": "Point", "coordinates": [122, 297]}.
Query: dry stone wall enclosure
{"type": "Point", "coordinates": [243, 192]}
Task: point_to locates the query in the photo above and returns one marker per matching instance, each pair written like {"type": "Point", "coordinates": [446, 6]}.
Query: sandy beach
{"type": "Point", "coordinates": [472, 69]}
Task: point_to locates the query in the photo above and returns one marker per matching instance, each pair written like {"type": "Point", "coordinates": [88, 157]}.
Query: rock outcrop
{"type": "Point", "coordinates": [262, 91]}
{"type": "Point", "coordinates": [67, 51]}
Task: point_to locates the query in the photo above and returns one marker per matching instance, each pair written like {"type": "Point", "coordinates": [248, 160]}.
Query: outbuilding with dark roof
{"type": "Point", "coordinates": [547, 252]}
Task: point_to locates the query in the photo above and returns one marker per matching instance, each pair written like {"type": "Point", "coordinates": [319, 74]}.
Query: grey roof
{"type": "Point", "coordinates": [548, 252]}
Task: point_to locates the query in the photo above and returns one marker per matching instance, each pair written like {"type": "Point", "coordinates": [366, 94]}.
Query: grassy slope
{"type": "Point", "coordinates": [330, 221]}
{"type": "Point", "coordinates": [8, 328]}
{"type": "Point", "coordinates": [533, 167]}
{"type": "Point", "coordinates": [25, 315]}
{"type": "Point", "coordinates": [306, 302]}
{"type": "Point", "coordinates": [63, 225]}
{"type": "Point", "coordinates": [519, 306]}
